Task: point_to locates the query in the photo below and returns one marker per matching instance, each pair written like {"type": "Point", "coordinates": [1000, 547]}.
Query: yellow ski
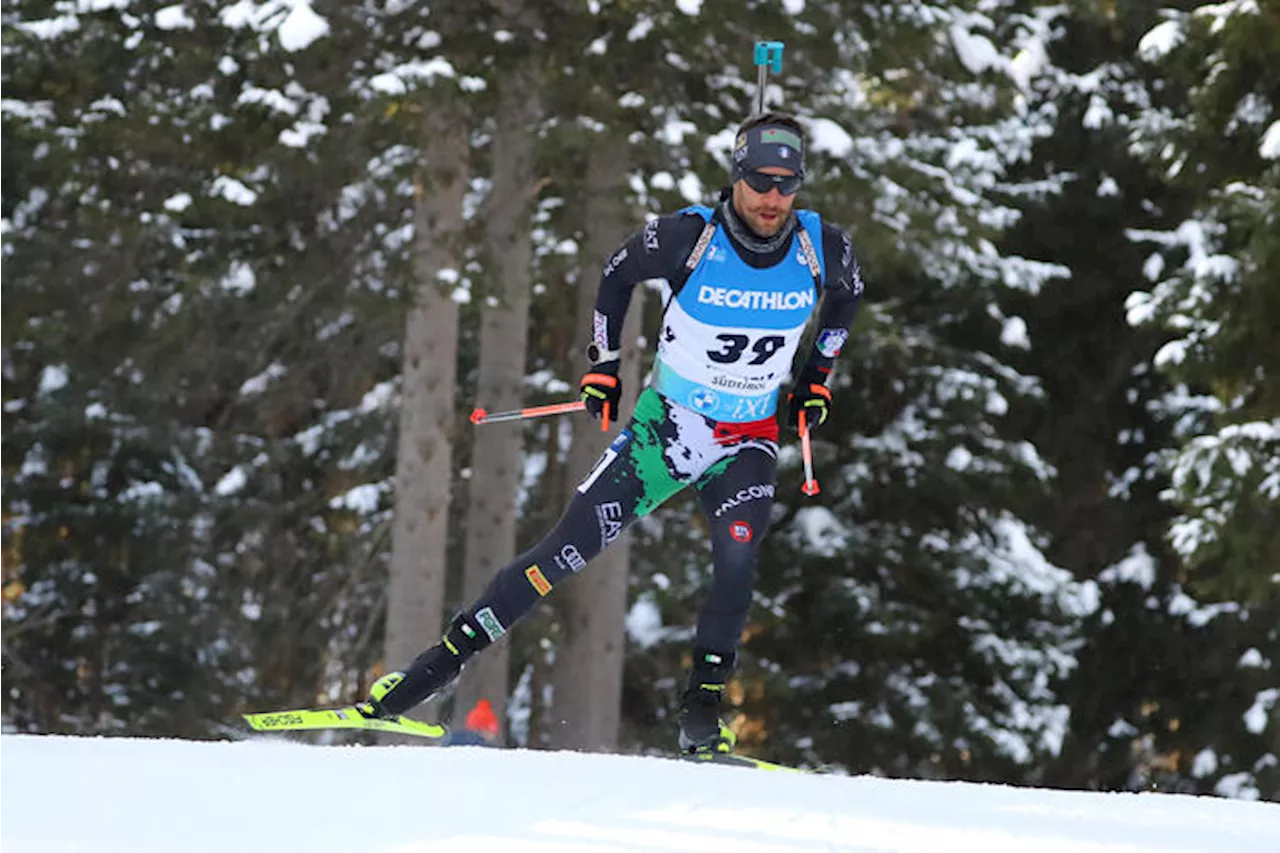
{"type": "Point", "coordinates": [340, 718]}
{"type": "Point", "coordinates": [735, 760]}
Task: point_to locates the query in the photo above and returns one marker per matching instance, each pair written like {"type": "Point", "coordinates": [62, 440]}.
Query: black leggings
{"type": "Point", "coordinates": [664, 449]}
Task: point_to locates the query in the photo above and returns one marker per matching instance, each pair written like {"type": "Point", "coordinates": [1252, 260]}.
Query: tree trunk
{"type": "Point", "coordinates": [587, 683]}
{"type": "Point", "coordinates": [424, 453]}
{"type": "Point", "coordinates": [496, 468]}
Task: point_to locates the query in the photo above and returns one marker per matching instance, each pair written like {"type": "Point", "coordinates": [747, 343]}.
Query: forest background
{"type": "Point", "coordinates": [260, 260]}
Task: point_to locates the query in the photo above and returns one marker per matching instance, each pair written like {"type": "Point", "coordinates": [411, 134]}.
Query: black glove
{"type": "Point", "coordinates": [600, 387]}
{"type": "Point", "coordinates": [813, 398]}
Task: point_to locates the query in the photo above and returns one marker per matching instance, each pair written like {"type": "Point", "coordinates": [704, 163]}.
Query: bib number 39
{"type": "Point", "coordinates": [735, 346]}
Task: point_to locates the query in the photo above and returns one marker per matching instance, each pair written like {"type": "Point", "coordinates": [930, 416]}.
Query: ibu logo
{"type": "Point", "coordinates": [704, 400]}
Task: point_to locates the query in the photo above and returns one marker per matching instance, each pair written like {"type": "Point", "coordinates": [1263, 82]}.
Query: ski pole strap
{"type": "Point", "coordinates": [600, 379]}
{"type": "Point", "coordinates": [608, 381]}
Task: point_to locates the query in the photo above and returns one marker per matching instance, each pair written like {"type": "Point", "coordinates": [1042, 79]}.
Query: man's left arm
{"type": "Point", "coordinates": [841, 293]}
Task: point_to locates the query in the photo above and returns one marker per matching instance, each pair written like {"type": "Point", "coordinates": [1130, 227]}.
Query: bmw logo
{"type": "Point", "coordinates": [704, 400]}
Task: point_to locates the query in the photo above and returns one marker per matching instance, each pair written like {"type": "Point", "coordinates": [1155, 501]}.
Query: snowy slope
{"type": "Point", "coordinates": [138, 796]}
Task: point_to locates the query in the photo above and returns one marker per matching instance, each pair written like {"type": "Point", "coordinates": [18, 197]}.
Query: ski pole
{"type": "Point", "coordinates": [810, 486]}
{"type": "Point", "coordinates": [480, 416]}
{"type": "Point", "coordinates": [768, 56]}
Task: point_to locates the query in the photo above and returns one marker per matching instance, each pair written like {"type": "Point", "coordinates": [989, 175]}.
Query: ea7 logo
{"type": "Point", "coordinates": [609, 517]}
{"type": "Point", "coordinates": [651, 236]}
{"type": "Point", "coordinates": [600, 330]}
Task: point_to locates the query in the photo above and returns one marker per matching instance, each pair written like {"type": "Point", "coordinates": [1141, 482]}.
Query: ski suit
{"type": "Point", "coordinates": [732, 321]}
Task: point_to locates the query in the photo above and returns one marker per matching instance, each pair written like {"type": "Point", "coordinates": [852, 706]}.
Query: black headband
{"type": "Point", "coordinates": [768, 145]}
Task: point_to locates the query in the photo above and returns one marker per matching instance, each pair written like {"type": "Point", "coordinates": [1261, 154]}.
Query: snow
{"type": "Point", "coordinates": [379, 397]}
{"type": "Point", "coordinates": [1099, 113]}
{"type": "Point", "coordinates": [1138, 567]}
{"type": "Point", "coordinates": [691, 188]}
{"type": "Point", "coordinates": [821, 531]}
{"type": "Point", "coordinates": [1258, 715]}
{"type": "Point", "coordinates": [1252, 659]}
{"type": "Point", "coordinates": [52, 378]}
{"type": "Point", "coordinates": [148, 796]}
{"type": "Point", "coordinates": [976, 52]}
{"type": "Point", "coordinates": [1270, 145]}
{"type": "Point", "coordinates": [295, 23]}
{"type": "Point", "coordinates": [1014, 333]}
{"type": "Point", "coordinates": [1221, 12]}
{"type": "Point", "coordinates": [240, 278]}
{"type": "Point", "coordinates": [232, 190]}
{"type": "Point", "coordinates": [1161, 39]}
{"type": "Point", "coordinates": [174, 18]}
{"type": "Point", "coordinates": [270, 98]}
{"type": "Point", "coordinates": [1204, 764]}
{"type": "Point", "coordinates": [400, 79]}
{"type": "Point", "coordinates": [643, 26]}
{"type": "Point", "coordinates": [362, 500]}
{"type": "Point", "coordinates": [959, 459]}
{"type": "Point", "coordinates": [50, 28]}
{"type": "Point", "coordinates": [232, 482]}
{"type": "Point", "coordinates": [301, 27]}
{"type": "Point", "coordinates": [644, 622]}
{"type": "Point", "coordinates": [258, 384]}
{"type": "Point", "coordinates": [826, 135]}
{"type": "Point", "coordinates": [141, 492]}
{"type": "Point", "coordinates": [178, 202]}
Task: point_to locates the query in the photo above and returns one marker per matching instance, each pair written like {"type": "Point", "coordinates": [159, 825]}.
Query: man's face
{"type": "Point", "coordinates": [764, 213]}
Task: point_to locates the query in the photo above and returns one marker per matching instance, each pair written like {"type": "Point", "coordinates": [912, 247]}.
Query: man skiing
{"type": "Point", "coordinates": [741, 281]}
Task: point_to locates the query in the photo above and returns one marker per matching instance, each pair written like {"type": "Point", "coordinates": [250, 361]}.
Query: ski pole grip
{"type": "Point", "coordinates": [770, 53]}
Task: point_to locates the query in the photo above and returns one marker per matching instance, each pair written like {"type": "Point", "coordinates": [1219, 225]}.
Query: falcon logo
{"type": "Point", "coordinates": [751, 493]}
{"type": "Point", "coordinates": [740, 531]}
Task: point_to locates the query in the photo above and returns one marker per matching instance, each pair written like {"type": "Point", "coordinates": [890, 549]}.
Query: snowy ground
{"type": "Point", "coordinates": [61, 794]}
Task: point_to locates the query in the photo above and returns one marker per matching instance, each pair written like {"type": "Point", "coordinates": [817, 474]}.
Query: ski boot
{"type": "Point", "coordinates": [397, 692]}
{"type": "Point", "coordinates": [701, 729]}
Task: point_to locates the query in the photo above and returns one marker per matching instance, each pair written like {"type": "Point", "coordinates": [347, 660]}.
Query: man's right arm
{"type": "Point", "coordinates": [658, 250]}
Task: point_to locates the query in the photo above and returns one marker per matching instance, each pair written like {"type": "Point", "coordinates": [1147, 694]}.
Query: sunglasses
{"type": "Point", "coordinates": [762, 182]}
